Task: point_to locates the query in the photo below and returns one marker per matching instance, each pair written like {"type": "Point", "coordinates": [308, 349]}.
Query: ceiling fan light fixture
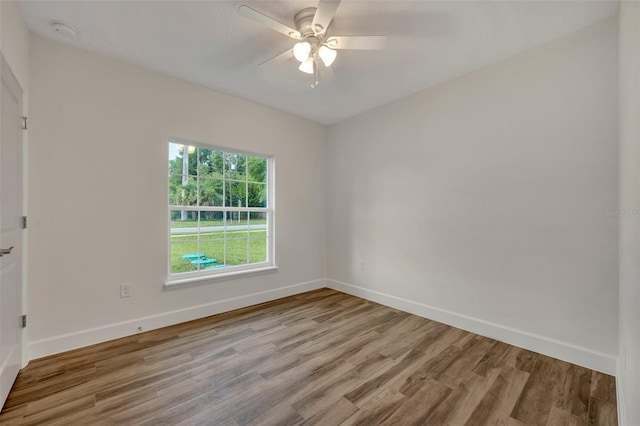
{"type": "Point", "coordinates": [302, 50]}
{"type": "Point", "coordinates": [307, 66]}
{"type": "Point", "coordinates": [327, 55]}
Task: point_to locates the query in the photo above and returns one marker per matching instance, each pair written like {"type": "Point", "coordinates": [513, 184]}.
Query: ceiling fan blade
{"type": "Point", "coordinates": [281, 57]}
{"type": "Point", "coordinates": [263, 19]}
{"type": "Point", "coordinates": [356, 42]}
{"type": "Point", "coordinates": [324, 15]}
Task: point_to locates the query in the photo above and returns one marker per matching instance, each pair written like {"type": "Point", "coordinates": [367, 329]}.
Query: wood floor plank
{"type": "Point", "coordinates": [558, 417]}
{"type": "Point", "coordinates": [162, 406]}
{"type": "Point", "coordinates": [321, 401]}
{"type": "Point", "coordinates": [13, 416]}
{"type": "Point", "coordinates": [340, 411]}
{"type": "Point", "coordinates": [603, 387]}
{"type": "Point", "coordinates": [249, 406]}
{"type": "Point", "coordinates": [360, 394]}
{"type": "Point", "coordinates": [280, 415]}
{"type": "Point", "coordinates": [602, 401]}
{"type": "Point", "coordinates": [378, 409]}
{"type": "Point", "coordinates": [457, 408]}
{"type": "Point", "coordinates": [341, 351]}
{"type": "Point", "coordinates": [322, 358]}
{"type": "Point", "coordinates": [575, 391]}
{"type": "Point", "coordinates": [323, 397]}
{"type": "Point", "coordinates": [58, 411]}
{"type": "Point", "coordinates": [408, 330]}
{"type": "Point", "coordinates": [494, 358]}
{"type": "Point", "coordinates": [537, 397]}
{"type": "Point", "coordinates": [417, 409]}
{"type": "Point", "coordinates": [524, 360]}
{"type": "Point", "coordinates": [208, 417]}
{"type": "Point", "coordinates": [470, 354]}
{"type": "Point", "coordinates": [433, 368]}
{"type": "Point", "coordinates": [601, 412]}
{"type": "Point", "coordinates": [497, 404]}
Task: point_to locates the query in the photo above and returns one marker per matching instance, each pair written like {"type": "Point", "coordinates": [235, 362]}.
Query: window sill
{"type": "Point", "coordinates": [174, 283]}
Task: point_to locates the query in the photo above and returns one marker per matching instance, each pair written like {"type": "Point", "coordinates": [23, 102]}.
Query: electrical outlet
{"type": "Point", "coordinates": [125, 290]}
{"type": "Point", "coordinates": [362, 265]}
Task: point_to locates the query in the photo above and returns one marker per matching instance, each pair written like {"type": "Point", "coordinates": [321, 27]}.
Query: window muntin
{"type": "Point", "coordinates": [220, 218]}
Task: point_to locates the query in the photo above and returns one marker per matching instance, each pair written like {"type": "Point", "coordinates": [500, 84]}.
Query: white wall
{"type": "Point", "coordinates": [14, 41]}
{"type": "Point", "coordinates": [483, 199]}
{"type": "Point", "coordinates": [98, 193]}
{"type": "Point", "coordinates": [629, 83]}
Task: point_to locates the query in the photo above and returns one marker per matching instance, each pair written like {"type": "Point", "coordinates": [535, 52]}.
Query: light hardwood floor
{"type": "Point", "coordinates": [321, 357]}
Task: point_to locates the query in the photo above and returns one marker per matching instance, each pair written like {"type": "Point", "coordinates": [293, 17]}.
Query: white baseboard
{"type": "Point", "coordinates": [66, 342]}
{"type": "Point", "coordinates": [599, 361]}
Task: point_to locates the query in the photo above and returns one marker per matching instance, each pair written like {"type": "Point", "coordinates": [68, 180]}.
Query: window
{"type": "Point", "coordinates": [220, 212]}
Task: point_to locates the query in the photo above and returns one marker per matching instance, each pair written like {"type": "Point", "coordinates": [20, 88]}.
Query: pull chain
{"type": "Point", "coordinates": [316, 76]}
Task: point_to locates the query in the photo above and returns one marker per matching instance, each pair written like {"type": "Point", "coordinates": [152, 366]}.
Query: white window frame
{"type": "Point", "coordinates": [180, 278]}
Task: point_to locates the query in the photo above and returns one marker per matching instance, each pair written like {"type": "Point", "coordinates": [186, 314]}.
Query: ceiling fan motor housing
{"type": "Point", "coordinates": [304, 22]}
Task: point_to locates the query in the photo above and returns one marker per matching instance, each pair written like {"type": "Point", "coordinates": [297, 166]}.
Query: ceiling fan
{"type": "Point", "coordinates": [314, 46]}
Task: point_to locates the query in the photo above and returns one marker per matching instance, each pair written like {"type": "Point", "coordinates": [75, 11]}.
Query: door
{"type": "Point", "coordinates": [10, 229]}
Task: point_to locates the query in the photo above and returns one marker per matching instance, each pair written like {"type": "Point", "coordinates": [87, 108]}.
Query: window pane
{"type": "Point", "coordinates": [236, 233]}
{"type": "Point", "coordinates": [257, 169]}
{"type": "Point", "coordinates": [213, 254]}
{"type": "Point", "coordinates": [183, 191]}
{"type": "Point", "coordinates": [178, 152]}
{"type": "Point", "coordinates": [235, 166]}
{"type": "Point", "coordinates": [211, 225]}
{"type": "Point", "coordinates": [175, 181]}
{"type": "Point", "coordinates": [257, 195]}
{"type": "Point", "coordinates": [258, 218]}
{"type": "Point", "coordinates": [237, 226]}
{"type": "Point", "coordinates": [206, 260]}
{"type": "Point", "coordinates": [236, 194]}
{"type": "Point", "coordinates": [210, 192]}
{"type": "Point", "coordinates": [258, 252]}
{"type": "Point", "coordinates": [257, 229]}
{"type": "Point", "coordinates": [257, 226]}
{"type": "Point", "coordinates": [210, 163]}
{"type": "Point", "coordinates": [183, 252]}
{"type": "Point", "coordinates": [237, 251]}
{"type": "Point", "coordinates": [184, 222]}
{"type": "Point", "coordinates": [175, 166]}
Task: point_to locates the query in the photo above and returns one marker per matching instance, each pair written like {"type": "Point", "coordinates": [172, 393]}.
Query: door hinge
{"type": "Point", "coordinates": [24, 222]}
{"type": "Point", "coordinates": [25, 123]}
{"type": "Point", "coordinates": [23, 321]}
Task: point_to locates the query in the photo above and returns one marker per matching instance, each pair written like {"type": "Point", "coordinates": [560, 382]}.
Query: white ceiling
{"type": "Point", "coordinates": [210, 44]}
